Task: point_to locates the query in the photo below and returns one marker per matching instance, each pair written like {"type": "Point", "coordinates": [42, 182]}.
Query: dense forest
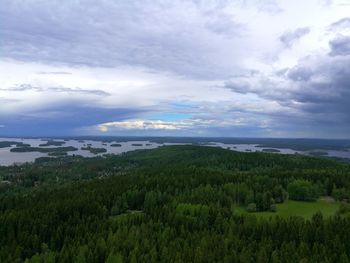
{"type": "Point", "coordinates": [173, 204]}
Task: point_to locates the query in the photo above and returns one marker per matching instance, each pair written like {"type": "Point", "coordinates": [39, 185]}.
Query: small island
{"type": "Point", "coordinates": [52, 143]}
{"type": "Point", "coordinates": [94, 150]}
{"type": "Point", "coordinates": [137, 144]}
{"type": "Point", "coordinates": [116, 145]}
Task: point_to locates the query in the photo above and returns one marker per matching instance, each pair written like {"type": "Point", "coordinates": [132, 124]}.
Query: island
{"type": "Point", "coordinates": [137, 144]}
{"type": "Point", "coordinates": [52, 143]}
{"type": "Point", "coordinates": [44, 150]}
{"type": "Point", "coordinates": [116, 145]}
{"type": "Point", "coordinates": [5, 144]}
{"type": "Point", "coordinates": [94, 150]}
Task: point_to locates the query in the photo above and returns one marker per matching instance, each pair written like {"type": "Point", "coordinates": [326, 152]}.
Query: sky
{"type": "Point", "coordinates": [240, 68]}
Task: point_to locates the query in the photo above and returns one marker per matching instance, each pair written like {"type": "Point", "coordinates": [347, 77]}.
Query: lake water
{"type": "Point", "coordinates": [8, 158]}
{"type": "Point", "coordinates": [250, 148]}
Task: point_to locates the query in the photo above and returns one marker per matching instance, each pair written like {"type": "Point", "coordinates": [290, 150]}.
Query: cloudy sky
{"type": "Point", "coordinates": [240, 68]}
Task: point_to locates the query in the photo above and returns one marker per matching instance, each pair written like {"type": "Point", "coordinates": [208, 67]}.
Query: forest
{"type": "Point", "coordinates": [175, 204]}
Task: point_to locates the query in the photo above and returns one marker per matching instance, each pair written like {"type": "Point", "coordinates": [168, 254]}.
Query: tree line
{"type": "Point", "coordinates": [171, 204]}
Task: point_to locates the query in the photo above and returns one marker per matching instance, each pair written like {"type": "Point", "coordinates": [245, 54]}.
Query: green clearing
{"type": "Point", "coordinates": [297, 208]}
{"type": "Point", "coordinates": [127, 215]}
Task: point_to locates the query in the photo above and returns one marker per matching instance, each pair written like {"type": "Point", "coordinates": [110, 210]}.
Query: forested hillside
{"type": "Point", "coordinates": [174, 204]}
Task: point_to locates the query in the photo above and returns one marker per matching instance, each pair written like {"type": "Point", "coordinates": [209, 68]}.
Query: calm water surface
{"type": "Point", "coordinates": [8, 158]}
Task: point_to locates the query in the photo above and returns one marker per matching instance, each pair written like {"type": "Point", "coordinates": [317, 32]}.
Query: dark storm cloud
{"type": "Point", "coordinates": [340, 46]}
{"type": "Point", "coordinates": [28, 87]}
{"type": "Point", "coordinates": [290, 37]}
{"type": "Point", "coordinates": [329, 88]}
{"type": "Point", "coordinates": [323, 95]}
{"type": "Point", "coordinates": [67, 117]}
{"type": "Point", "coordinates": [316, 91]}
{"type": "Point", "coordinates": [321, 86]}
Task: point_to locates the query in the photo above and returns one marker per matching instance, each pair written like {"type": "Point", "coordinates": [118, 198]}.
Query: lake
{"type": "Point", "coordinates": [9, 158]}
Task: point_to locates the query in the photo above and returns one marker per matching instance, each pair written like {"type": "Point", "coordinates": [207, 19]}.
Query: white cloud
{"type": "Point", "coordinates": [185, 124]}
{"type": "Point", "coordinates": [152, 125]}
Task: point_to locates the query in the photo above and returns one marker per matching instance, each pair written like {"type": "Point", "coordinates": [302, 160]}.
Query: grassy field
{"type": "Point", "coordinates": [298, 208]}
{"type": "Point", "coordinates": [126, 215]}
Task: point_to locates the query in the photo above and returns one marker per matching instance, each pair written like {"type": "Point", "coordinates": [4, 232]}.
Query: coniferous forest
{"type": "Point", "coordinates": [174, 204]}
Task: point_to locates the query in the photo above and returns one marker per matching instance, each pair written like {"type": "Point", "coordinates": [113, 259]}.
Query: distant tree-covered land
{"type": "Point", "coordinates": [176, 204]}
{"type": "Point", "coordinates": [271, 150]}
{"type": "Point", "coordinates": [43, 150]}
{"type": "Point", "coordinates": [94, 150]}
{"type": "Point", "coordinates": [318, 153]}
{"type": "Point", "coordinates": [4, 144]}
{"type": "Point", "coordinates": [116, 145]}
{"type": "Point", "coordinates": [52, 143]}
{"type": "Point", "coordinates": [137, 144]}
